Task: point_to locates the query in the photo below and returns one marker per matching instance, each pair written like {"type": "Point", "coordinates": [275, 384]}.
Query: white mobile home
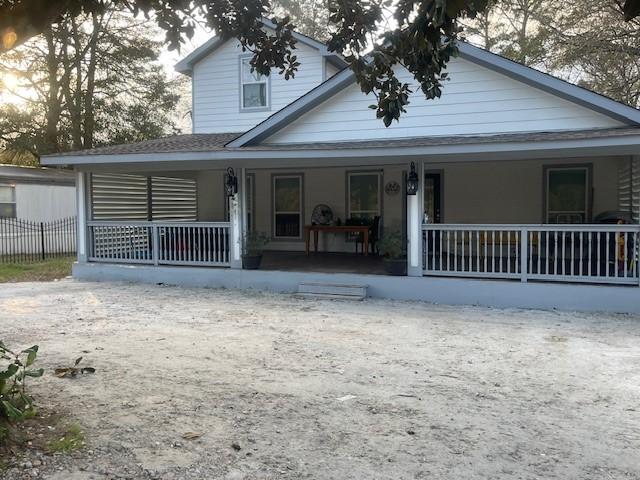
{"type": "Point", "coordinates": [36, 194]}
{"type": "Point", "coordinates": [513, 189]}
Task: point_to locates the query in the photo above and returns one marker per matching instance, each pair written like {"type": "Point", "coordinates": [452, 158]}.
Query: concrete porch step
{"type": "Point", "coordinates": [334, 291]}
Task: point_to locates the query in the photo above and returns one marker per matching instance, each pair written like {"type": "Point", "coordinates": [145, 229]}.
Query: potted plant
{"type": "Point", "coordinates": [393, 249]}
{"type": "Point", "coordinates": [252, 248]}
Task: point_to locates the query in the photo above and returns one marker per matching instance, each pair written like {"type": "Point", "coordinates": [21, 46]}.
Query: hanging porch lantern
{"type": "Point", "coordinates": [230, 183]}
{"type": "Point", "coordinates": [412, 181]}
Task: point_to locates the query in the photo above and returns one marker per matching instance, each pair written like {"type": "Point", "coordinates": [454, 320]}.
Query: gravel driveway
{"type": "Point", "coordinates": [283, 388]}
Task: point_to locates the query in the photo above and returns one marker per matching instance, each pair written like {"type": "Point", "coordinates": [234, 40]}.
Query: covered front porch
{"type": "Point", "coordinates": [472, 219]}
{"type": "Point", "coordinates": [557, 209]}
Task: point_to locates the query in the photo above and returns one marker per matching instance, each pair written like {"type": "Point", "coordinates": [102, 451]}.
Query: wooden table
{"type": "Point", "coordinates": [364, 229]}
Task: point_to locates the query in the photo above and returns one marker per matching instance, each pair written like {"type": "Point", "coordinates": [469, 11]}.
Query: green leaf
{"type": "Point", "coordinates": [9, 372]}
{"type": "Point", "coordinates": [12, 412]}
{"type": "Point", "coordinates": [34, 373]}
{"type": "Point", "coordinates": [32, 353]}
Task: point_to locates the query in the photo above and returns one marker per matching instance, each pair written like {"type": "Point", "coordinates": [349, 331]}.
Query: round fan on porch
{"type": "Point", "coordinates": [322, 215]}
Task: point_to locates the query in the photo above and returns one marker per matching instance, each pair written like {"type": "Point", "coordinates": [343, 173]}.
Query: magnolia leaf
{"type": "Point", "coordinates": [31, 357]}
{"type": "Point", "coordinates": [12, 412]}
{"type": "Point", "coordinates": [9, 372]}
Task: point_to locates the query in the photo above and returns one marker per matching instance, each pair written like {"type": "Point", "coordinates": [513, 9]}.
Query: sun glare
{"type": "Point", "coordinates": [8, 81]}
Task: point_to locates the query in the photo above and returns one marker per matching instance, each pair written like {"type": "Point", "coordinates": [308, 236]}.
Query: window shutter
{"type": "Point", "coordinates": [125, 197]}
{"type": "Point", "coordinates": [174, 199]}
{"type": "Point", "coordinates": [119, 197]}
{"type": "Point", "coordinates": [629, 188]}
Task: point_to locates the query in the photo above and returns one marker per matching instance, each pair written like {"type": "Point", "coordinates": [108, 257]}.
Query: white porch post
{"type": "Point", "coordinates": [82, 202]}
{"type": "Point", "coordinates": [236, 217]}
{"type": "Point", "coordinates": [414, 228]}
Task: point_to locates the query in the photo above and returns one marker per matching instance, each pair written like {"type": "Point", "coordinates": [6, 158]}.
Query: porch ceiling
{"type": "Point", "coordinates": [190, 151]}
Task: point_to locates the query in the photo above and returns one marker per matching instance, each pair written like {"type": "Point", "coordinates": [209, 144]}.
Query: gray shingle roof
{"type": "Point", "coordinates": [194, 142]}
{"type": "Point", "coordinates": [209, 142]}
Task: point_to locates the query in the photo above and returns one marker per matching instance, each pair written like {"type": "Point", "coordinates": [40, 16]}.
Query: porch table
{"type": "Point", "coordinates": [364, 229]}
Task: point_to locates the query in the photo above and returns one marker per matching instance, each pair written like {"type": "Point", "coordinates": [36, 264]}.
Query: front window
{"type": "Point", "coordinates": [363, 195]}
{"type": "Point", "coordinates": [7, 201]}
{"type": "Point", "coordinates": [287, 206]}
{"type": "Point", "coordinates": [249, 199]}
{"type": "Point", "coordinates": [254, 89]}
{"type": "Point", "coordinates": [567, 197]}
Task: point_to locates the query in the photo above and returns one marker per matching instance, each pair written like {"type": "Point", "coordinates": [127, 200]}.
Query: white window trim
{"type": "Point", "coordinates": [242, 83]}
{"type": "Point", "coordinates": [372, 213]}
{"type": "Point", "coordinates": [14, 203]}
{"type": "Point", "coordinates": [300, 213]}
{"type": "Point", "coordinates": [548, 171]}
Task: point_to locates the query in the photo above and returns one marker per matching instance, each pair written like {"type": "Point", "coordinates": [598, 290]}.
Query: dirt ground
{"type": "Point", "coordinates": [284, 388]}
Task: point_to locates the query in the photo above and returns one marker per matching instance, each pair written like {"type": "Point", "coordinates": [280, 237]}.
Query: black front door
{"type": "Point", "coordinates": [433, 197]}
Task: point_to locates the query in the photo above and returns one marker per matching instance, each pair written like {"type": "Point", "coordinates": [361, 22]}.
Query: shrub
{"type": "Point", "coordinates": [15, 402]}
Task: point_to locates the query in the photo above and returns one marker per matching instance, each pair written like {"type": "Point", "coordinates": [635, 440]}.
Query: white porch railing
{"type": "Point", "coordinates": [564, 253]}
{"type": "Point", "coordinates": [160, 243]}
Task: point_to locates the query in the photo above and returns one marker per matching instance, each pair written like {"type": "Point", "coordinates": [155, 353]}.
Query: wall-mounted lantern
{"type": "Point", "coordinates": [412, 180]}
{"type": "Point", "coordinates": [230, 183]}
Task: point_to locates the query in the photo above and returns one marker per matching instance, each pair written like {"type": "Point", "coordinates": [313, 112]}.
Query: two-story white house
{"type": "Point", "coordinates": [514, 188]}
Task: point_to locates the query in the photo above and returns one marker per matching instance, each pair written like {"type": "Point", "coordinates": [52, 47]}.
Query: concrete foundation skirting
{"type": "Point", "coordinates": [453, 291]}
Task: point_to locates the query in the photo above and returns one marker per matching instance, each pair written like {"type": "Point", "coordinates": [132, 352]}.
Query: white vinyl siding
{"type": "Point", "coordinates": [476, 101]}
{"type": "Point", "coordinates": [217, 103]}
{"type": "Point", "coordinates": [43, 203]}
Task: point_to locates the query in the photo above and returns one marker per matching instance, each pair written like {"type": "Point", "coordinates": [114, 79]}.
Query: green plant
{"type": "Point", "coordinates": [392, 245]}
{"type": "Point", "coordinates": [15, 402]}
{"type": "Point", "coordinates": [254, 243]}
{"type": "Point", "coordinates": [72, 440]}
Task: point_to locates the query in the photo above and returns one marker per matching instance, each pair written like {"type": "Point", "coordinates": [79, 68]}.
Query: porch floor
{"type": "Point", "coordinates": [323, 262]}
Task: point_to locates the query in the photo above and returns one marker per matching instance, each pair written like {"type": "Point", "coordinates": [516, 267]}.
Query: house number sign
{"type": "Point", "coordinates": [392, 188]}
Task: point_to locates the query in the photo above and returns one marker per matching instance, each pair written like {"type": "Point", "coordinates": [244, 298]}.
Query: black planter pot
{"type": "Point", "coordinates": [395, 266]}
{"type": "Point", "coordinates": [251, 262]}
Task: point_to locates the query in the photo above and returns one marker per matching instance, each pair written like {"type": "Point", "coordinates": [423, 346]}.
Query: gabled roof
{"type": "Point", "coordinates": [492, 61]}
{"type": "Point", "coordinates": [186, 64]}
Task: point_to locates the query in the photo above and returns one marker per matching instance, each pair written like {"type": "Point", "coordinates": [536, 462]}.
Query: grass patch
{"type": "Point", "coordinates": [72, 440]}
{"type": "Point", "coordinates": [36, 272]}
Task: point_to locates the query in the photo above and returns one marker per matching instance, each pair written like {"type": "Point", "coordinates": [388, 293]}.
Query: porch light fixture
{"type": "Point", "coordinates": [412, 180]}
{"type": "Point", "coordinates": [230, 183]}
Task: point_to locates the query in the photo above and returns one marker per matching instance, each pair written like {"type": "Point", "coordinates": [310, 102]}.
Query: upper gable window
{"type": "Point", "coordinates": [254, 88]}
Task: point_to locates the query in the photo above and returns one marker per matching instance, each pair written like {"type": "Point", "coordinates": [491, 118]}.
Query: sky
{"type": "Point", "coordinates": [170, 58]}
